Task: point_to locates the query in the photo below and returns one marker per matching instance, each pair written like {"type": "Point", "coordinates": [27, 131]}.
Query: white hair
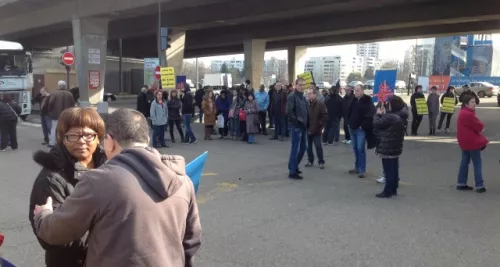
{"type": "Point", "coordinates": [62, 85]}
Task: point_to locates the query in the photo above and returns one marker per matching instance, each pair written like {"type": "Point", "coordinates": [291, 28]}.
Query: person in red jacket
{"type": "Point", "coordinates": [472, 142]}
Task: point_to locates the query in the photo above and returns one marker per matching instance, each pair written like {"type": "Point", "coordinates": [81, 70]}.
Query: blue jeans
{"type": "Point", "coordinates": [236, 126]}
{"type": "Point", "coordinates": [45, 127]}
{"type": "Point", "coordinates": [158, 135]}
{"type": "Point", "coordinates": [299, 146]}
{"type": "Point", "coordinates": [251, 138]}
{"type": "Point", "coordinates": [189, 132]}
{"type": "Point", "coordinates": [333, 131]}
{"type": "Point", "coordinates": [358, 141]}
{"type": "Point", "coordinates": [391, 171]}
{"type": "Point", "coordinates": [463, 171]}
{"type": "Point", "coordinates": [279, 126]}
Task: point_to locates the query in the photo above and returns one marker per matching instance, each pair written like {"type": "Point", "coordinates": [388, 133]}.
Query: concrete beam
{"type": "Point", "coordinates": [175, 55]}
{"type": "Point", "coordinates": [254, 60]}
{"type": "Point", "coordinates": [296, 61]}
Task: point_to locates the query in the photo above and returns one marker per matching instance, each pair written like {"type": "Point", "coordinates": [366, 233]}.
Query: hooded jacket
{"type": "Point", "coordinates": [59, 175]}
{"type": "Point", "coordinates": [139, 208]}
{"type": "Point", "coordinates": [159, 113]}
{"type": "Point", "coordinates": [390, 131]}
{"type": "Point", "coordinates": [262, 99]}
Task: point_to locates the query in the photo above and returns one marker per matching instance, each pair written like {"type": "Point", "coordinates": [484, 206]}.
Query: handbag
{"type": "Point", "coordinates": [242, 115]}
{"type": "Point", "coordinates": [220, 122]}
{"type": "Point", "coordinates": [19, 120]}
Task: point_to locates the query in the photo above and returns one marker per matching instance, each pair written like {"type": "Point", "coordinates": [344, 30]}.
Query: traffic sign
{"type": "Point", "coordinates": [68, 59]}
{"type": "Point", "coordinates": [158, 73]}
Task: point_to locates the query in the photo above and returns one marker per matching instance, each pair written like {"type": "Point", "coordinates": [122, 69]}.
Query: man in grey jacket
{"type": "Point", "coordinates": [433, 106]}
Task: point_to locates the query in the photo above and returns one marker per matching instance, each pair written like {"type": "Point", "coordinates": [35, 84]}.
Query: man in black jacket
{"type": "Point", "coordinates": [143, 104]}
{"type": "Point", "coordinates": [416, 118]}
{"type": "Point", "coordinates": [297, 113]}
{"type": "Point", "coordinates": [361, 113]}
{"type": "Point", "coordinates": [346, 103]}
{"type": "Point", "coordinates": [333, 104]}
{"type": "Point", "coordinates": [187, 114]}
{"type": "Point", "coordinates": [272, 90]}
{"type": "Point", "coordinates": [390, 129]}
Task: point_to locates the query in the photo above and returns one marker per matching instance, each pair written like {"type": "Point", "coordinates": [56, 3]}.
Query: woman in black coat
{"type": "Point", "coordinates": [174, 115]}
{"type": "Point", "coordinates": [9, 112]}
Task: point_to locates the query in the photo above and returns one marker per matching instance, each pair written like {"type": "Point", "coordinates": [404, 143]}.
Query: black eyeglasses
{"type": "Point", "coordinates": [87, 137]}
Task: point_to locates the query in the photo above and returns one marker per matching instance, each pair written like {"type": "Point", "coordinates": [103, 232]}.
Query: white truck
{"type": "Point", "coordinates": [16, 75]}
{"type": "Point", "coordinates": [217, 81]}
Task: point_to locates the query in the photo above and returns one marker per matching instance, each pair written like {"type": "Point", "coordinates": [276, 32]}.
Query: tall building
{"type": "Point", "coordinates": [368, 50]}
{"type": "Point", "coordinates": [330, 69]}
{"type": "Point", "coordinates": [424, 59]}
{"type": "Point", "coordinates": [216, 65]}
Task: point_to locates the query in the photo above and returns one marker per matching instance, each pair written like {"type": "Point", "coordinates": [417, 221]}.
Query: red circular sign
{"type": "Point", "coordinates": [157, 72]}
{"type": "Point", "coordinates": [68, 59]}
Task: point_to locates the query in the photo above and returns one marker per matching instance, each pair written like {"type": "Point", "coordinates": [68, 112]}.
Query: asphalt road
{"type": "Point", "coordinates": [252, 215]}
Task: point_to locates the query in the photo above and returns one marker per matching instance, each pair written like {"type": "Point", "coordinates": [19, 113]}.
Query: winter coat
{"type": "Point", "coordinates": [262, 99]}
{"type": "Point", "coordinates": [223, 106]}
{"type": "Point", "coordinates": [413, 104]}
{"type": "Point", "coordinates": [58, 102]}
{"type": "Point", "coordinates": [209, 111]}
{"type": "Point", "coordinates": [470, 93]}
{"type": "Point", "coordinates": [139, 209]}
{"type": "Point", "coordinates": [448, 94]}
{"type": "Point", "coordinates": [159, 113]}
{"type": "Point", "coordinates": [469, 131]}
{"type": "Point", "coordinates": [252, 111]}
{"type": "Point", "coordinates": [271, 98]}
{"type": "Point", "coordinates": [198, 96]}
{"type": "Point", "coordinates": [334, 106]}
{"type": "Point", "coordinates": [42, 100]}
{"type": "Point", "coordinates": [317, 117]}
{"type": "Point", "coordinates": [10, 111]}
{"type": "Point", "coordinates": [59, 175]}
{"type": "Point", "coordinates": [174, 109]}
{"type": "Point", "coordinates": [297, 110]}
{"type": "Point", "coordinates": [143, 105]}
{"type": "Point", "coordinates": [361, 113]}
{"type": "Point", "coordinates": [279, 102]}
{"type": "Point", "coordinates": [433, 103]}
{"type": "Point", "coordinates": [390, 131]}
{"type": "Point", "coordinates": [187, 103]}
{"type": "Point", "coordinates": [346, 103]}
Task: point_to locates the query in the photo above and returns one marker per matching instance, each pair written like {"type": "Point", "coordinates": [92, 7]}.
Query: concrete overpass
{"type": "Point", "coordinates": [210, 27]}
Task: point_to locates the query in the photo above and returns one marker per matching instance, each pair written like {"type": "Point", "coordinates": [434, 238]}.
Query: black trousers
{"type": "Point", "coordinates": [179, 128]}
{"type": "Point", "coordinates": [271, 118]}
{"type": "Point", "coordinates": [415, 123]}
{"type": "Point", "coordinates": [262, 118]}
{"type": "Point", "coordinates": [347, 134]}
{"type": "Point", "coordinates": [441, 119]}
{"type": "Point", "coordinates": [9, 133]}
{"type": "Point", "coordinates": [223, 131]}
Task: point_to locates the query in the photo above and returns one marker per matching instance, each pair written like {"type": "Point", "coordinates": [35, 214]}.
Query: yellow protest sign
{"type": "Point", "coordinates": [421, 106]}
{"type": "Point", "coordinates": [308, 77]}
{"type": "Point", "coordinates": [448, 105]}
{"type": "Point", "coordinates": [167, 77]}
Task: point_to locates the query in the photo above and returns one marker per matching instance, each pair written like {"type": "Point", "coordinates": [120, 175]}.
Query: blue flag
{"type": "Point", "coordinates": [5, 263]}
{"type": "Point", "coordinates": [194, 169]}
{"type": "Point", "coordinates": [385, 82]}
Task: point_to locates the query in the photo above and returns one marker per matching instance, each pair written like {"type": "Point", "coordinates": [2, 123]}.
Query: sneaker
{"type": "Point", "coordinates": [384, 195]}
{"type": "Point", "coordinates": [464, 187]}
{"type": "Point", "coordinates": [353, 171]}
{"type": "Point", "coordinates": [44, 143]}
{"type": "Point", "coordinates": [2, 150]}
{"type": "Point", "coordinates": [481, 190]}
{"type": "Point", "coordinates": [299, 171]}
{"type": "Point", "coordinates": [295, 176]}
{"type": "Point", "coordinates": [325, 144]}
{"type": "Point", "coordinates": [308, 165]}
{"type": "Point", "coordinates": [193, 141]}
{"type": "Point", "coordinates": [361, 175]}
{"type": "Point", "coordinates": [348, 142]}
{"type": "Point", "coordinates": [381, 180]}
{"type": "Point", "coordinates": [322, 166]}
{"type": "Point", "coordinates": [447, 130]}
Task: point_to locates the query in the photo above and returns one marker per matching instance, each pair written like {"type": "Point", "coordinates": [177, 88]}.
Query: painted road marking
{"type": "Point", "coordinates": [31, 124]}
{"type": "Point", "coordinates": [209, 174]}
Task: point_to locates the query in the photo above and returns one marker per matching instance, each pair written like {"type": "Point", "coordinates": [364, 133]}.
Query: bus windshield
{"type": "Point", "coordinates": [12, 63]}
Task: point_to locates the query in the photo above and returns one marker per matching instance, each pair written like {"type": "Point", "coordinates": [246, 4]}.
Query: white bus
{"type": "Point", "coordinates": [16, 74]}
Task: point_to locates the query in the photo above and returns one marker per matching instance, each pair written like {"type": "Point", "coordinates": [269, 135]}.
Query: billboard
{"type": "Point", "coordinates": [385, 82]}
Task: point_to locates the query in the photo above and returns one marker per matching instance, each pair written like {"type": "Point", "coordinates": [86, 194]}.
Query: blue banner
{"type": "Point", "coordinates": [180, 81]}
{"type": "Point", "coordinates": [5, 263]}
{"type": "Point", "coordinates": [194, 169]}
{"type": "Point", "coordinates": [385, 81]}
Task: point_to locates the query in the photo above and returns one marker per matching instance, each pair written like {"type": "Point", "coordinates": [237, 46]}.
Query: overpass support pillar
{"type": "Point", "coordinates": [296, 61]}
{"type": "Point", "coordinates": [90, 36]}
{"type": "Point", "coordinates": [175, 54]}
{"type": "Point", "coordinates": [254, 60]}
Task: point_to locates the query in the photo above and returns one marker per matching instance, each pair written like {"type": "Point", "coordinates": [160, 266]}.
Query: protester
{"type": "Point", "coordinates": [187, 113]}
{"type": "Point", "coordinates": [317, 116]}
{"type": "Point", "coordinates": [143, 102]}
{"type": "Point", "coordinates": [450, 92]}
{"type": "Point", "coordinates": [346, 103]}
{"type": "Point", "coordinates": [262, 99]}
{"type": "Point", "coordinates": [174, 115]}
{"type": "Point", "coordinates": [9, 113]}
{"type": "Point", "coordinates": [200, 93]}
{"type": "Point", "coordinates": [58, 102]}
{"type": "Point", "coordinates": [272, 90]}
{"type": "Point", "coordinates": [416, 118]}
{"type": "Point", "coordinates": [252, 118]}
{"type": "Point", "coordinates": [279, 112]}
{"type": "Point", "coordinates": [159, 118]}
{"type": "Point", "coordinates": [238, 104]}
{"type": "Point", "coordinates": [297, 113]}
{"type": "Point", "coordinates": [150, 218]}
{"type": "Point", "coordinates": [471, 142]}
{"type": "Point", "coordinates": [361, 113]}
{"type": "Point", "coordinates": [79, 133]}
{"type": "Point", "coordinates": [210, 112]}
{"type": "Point", "coordinates": [433, 107]}
{"type": "Point", "coordinates": [390, 128]}
{"type": "Point", "coordinates": [333, 104]}
{"type": "Point", "coordinates": [468, 92]}
{"type": "Point", "coordinates": [42, 98]}
{"type": "Point", "coordinates": [223, 104]}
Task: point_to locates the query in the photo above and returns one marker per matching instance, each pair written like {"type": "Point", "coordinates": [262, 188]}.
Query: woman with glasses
{"type": "Point", "coordinates": [79, 133]}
